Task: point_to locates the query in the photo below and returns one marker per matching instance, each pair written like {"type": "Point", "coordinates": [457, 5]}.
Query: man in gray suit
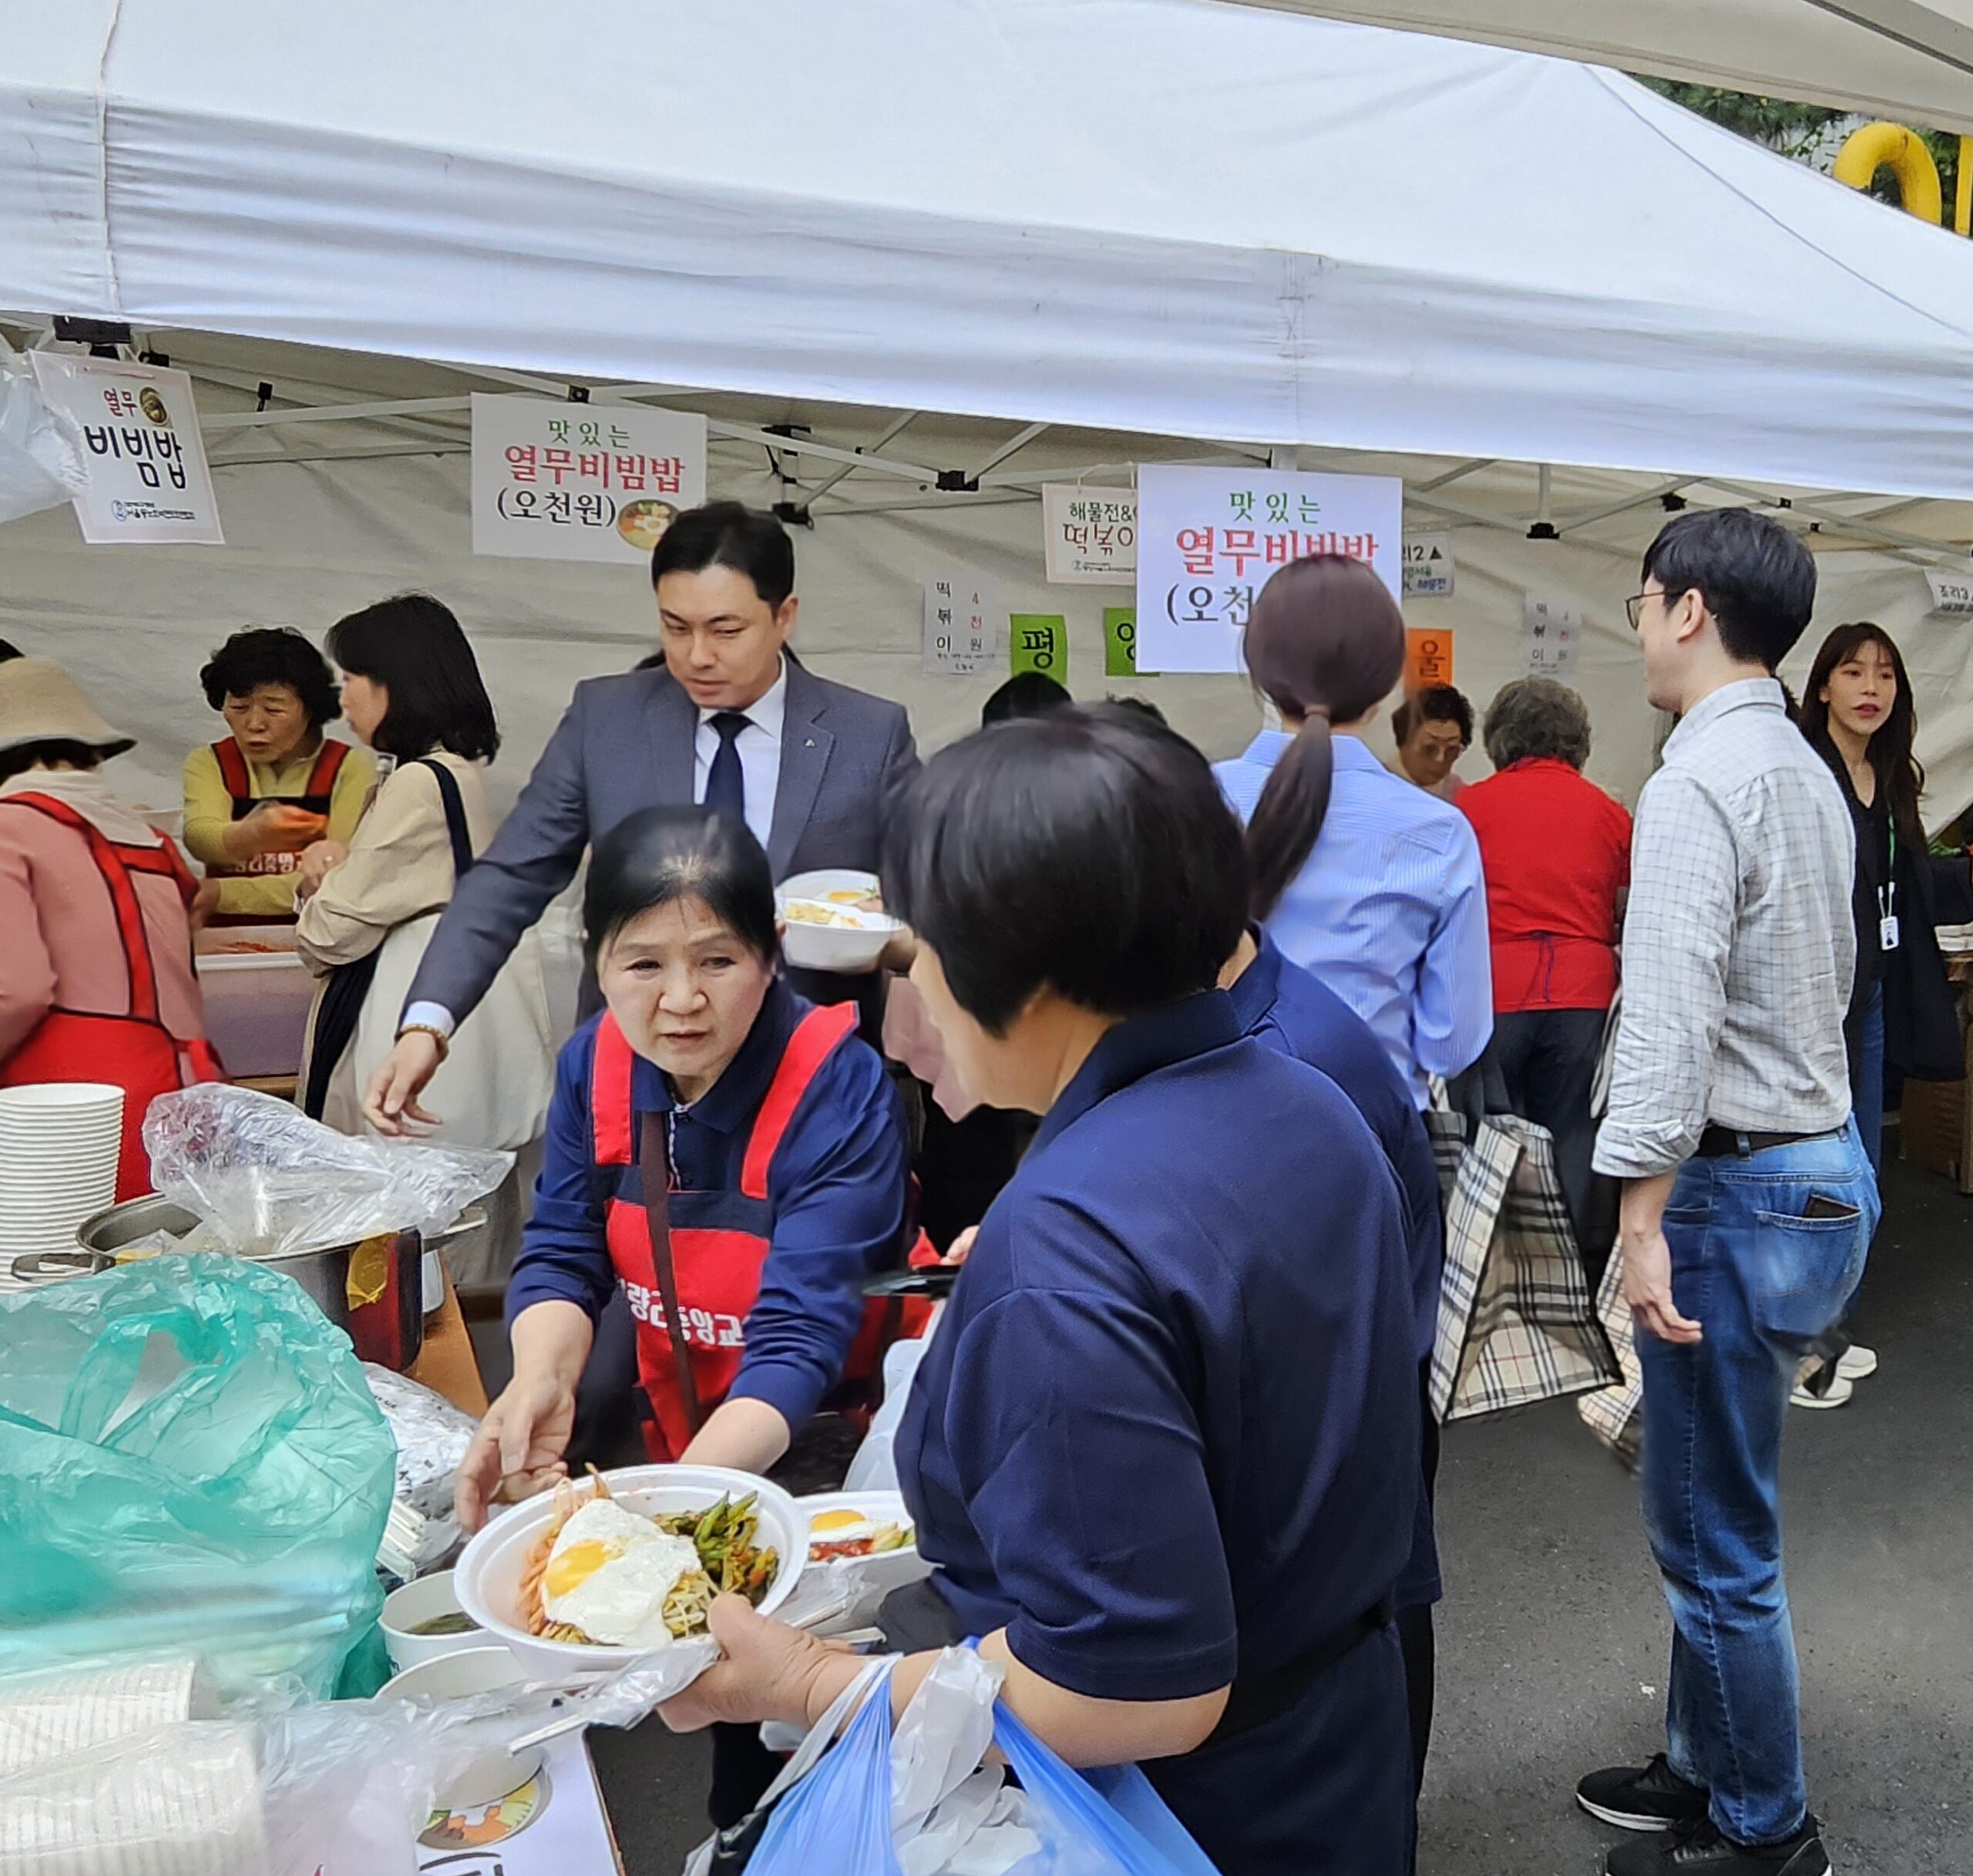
{"type": "Point", "coordinates": [733, 720]}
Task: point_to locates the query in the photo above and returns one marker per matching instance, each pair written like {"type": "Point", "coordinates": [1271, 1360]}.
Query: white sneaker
{"type": "Point", "coordinates": [1837, 1393]}
{"type": "Point", "coordinates": [1858, 1363]}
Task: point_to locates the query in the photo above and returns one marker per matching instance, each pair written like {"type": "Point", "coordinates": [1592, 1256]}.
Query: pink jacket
{"type": "Point", "coordinates": [62, 946]}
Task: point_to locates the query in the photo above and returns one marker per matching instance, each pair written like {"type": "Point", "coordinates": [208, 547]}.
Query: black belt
{"type": "Point", "coordinates": [1254, 1701]}
{"type": "Point", "coordinates": [1719, 1142]}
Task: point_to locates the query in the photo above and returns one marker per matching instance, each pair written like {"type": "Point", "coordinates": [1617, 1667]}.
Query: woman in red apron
{"type": "Point", "coordinates": [729, 1158]}
{"type": "Point", "coordinates": [263, 796]}
{"type": "Point", "coordinates": [96, 977]}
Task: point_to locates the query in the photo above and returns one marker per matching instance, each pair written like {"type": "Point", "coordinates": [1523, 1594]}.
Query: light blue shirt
{"type": "Point", "coordinates": [1389, 910]}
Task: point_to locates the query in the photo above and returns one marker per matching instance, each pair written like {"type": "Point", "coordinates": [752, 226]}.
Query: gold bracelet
{"type": "Point", "coordinates": [444, 1041]}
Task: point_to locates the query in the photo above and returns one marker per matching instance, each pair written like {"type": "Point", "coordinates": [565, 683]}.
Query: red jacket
{"type": "Point", "coordinates": [1557, 853]}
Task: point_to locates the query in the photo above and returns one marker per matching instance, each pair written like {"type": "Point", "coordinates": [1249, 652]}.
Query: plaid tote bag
{"type": "Point", "coordinates": [1517, 1325]}
{"type": "Point", "coordinates": [1615, 1413]}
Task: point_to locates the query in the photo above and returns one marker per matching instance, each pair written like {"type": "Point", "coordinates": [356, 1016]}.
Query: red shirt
{"type": "Point", "coordinates": [1557, 853]}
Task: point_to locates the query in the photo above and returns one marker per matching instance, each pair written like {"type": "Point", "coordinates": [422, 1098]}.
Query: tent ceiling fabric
{"type": "Point", "coordinates": [1172, 217]}
{"type": "Point", "coordinates": [1894, 58]}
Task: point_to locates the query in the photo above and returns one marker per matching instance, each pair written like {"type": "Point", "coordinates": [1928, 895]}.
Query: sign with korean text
{"type": "Point", "coordinates": [1550, 632]}
{"type": "Point", "coordinates": [960, 639]}
{"type": "Point", "coordinates": [555, 481]}
{"type": "Point", "coordinates": [1427, 658]}
{"type": "Point", "coordinates": [1428, 566]}
{"type": "Point", "coordinates": [1039, 641]}
{"type": "Point", "coordinates": [148, 483]}
{"type": "Point", "coordinates": [1950, 591]}
{"type": "Point", "coordinates": [1089, 535]}
{"type": "Point", "coordinates": [1209, 538]}
{"type": "Point", "coordinates": [1120, 641]}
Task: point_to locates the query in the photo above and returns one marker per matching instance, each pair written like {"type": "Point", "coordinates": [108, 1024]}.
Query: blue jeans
{"type": "Point", "coordinates": [1866, 1078]}
{"type": "Point", "coordinates": [1762, 1278]}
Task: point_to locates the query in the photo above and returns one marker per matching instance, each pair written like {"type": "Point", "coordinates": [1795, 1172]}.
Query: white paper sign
{"type": "Point", "coordinates": [1427, 567]}
{"type": "Point", "coordinates": [1208, 539]}
{"type": "Point", "coordinates": [1550, 632]}
{"type": "Point", "coordinates": [960, 636]}
{"type": "Point", "coordinates": [1950, 591]}
{"type": "Point", "coordinates": [557, 481]}
{"type": "Point", "coordinates": [1089, 536]}
{"type": "Point", "coordinates": [148, 483]}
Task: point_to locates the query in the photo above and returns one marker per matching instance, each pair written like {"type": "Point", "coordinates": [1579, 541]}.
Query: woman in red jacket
{"type": "Point", "coordinates": [1557, 853]}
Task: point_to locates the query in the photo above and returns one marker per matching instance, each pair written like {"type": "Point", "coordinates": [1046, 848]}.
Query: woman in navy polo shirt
{"type": "Point", "coordinates": [1163, 1447]}
{"type": "Point", "coordinates": [787, 1159]}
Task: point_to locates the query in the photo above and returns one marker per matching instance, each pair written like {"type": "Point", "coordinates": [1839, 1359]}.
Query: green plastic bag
{"type": "Point", "coordinates": [190, 1462]}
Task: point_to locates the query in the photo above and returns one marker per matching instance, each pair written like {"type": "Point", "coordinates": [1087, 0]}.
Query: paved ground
{"type": "Point", "coordinates": [1553, 1639]}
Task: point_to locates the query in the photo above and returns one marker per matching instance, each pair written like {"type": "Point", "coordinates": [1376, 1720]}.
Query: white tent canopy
{"type": "Point", "coordinates": [1172, 217]}
{"type": "Point", "coordinates": [1908, 59]}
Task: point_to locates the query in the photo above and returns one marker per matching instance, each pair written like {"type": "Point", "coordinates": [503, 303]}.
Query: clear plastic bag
{"type": "Point", "coordinates": [432, 1436]}
{"type": "Point", "coordinates": [189, 1463]}
{"type": "Point", "coordinates": [268, 1181]}
{"type": "Point", "coordinates": [41, 464]}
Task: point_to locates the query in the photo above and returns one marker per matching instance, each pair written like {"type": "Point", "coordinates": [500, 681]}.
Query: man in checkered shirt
{"type": "Point", "coordinates": [1748, 1202]}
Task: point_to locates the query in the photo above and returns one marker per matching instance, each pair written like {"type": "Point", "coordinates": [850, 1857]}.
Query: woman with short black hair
{"type": "Point", "coordinates": [1164, 1446]}
{"type": "Point", "coordinates": [258, 799]}
{"type": "Point", "coordinates": [411, 690]}
{"type": "Point", "coordinates": [714, 1141]}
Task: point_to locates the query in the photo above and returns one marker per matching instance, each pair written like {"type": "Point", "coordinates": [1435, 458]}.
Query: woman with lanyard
{"type": "Point", "coordinates": [1858, 712]}
{"type": "Point", "coordinates": [260, 798]}
{"type": "Point", "coordinates": [1164, 1446]}
{"type": "Point", "coordinates": [96, 977]}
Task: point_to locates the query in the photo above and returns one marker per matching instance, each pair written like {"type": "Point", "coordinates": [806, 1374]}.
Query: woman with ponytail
{"type": "Point", "coordinates": [1366, 881]}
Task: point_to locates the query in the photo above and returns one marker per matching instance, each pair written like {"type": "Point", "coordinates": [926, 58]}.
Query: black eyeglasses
{"type": "Point", "coordinates": [1633, 606]}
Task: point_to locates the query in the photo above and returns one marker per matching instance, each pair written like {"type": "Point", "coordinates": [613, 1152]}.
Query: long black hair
{"type": "Point", "coordinates": [413, 647]}
{"type": "Point", "coordinates": [1326, 643]}
{"type": "Point", "coordinates": [660, 855]}
{"type": "Point", "coordinates": [1901, 775]}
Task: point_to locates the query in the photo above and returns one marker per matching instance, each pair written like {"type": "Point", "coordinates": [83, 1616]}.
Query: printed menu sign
{"type": "Point", "coordinates": [1089, 535]}
{"type": "Point", "coordinates": [1550, 633]}
{"type": "Point", "coordinates": [1209, 538]}
{"type": "Point", "coordinates": [959, 640]}
{"type": "Point", "coordinates": [148, 484]}
{"type": "Point", "coordinates": [555, 481]}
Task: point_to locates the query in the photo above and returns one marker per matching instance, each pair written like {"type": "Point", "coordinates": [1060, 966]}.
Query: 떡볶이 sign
{"type": "Point", "coordinates": [148, 483]}
{"type": "Point", "coordinates": [1208, 539]}
{"type": "Point", "coordinates": [1550, 632]}
{"type": "Point", "coordinates": [1089, 535]}
{"type": "Point", "coordinates": [960, 641]}
{"type": "Point", "coordinates": [555, 481]}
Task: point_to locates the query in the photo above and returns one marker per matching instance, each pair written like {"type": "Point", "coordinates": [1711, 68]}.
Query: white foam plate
{"type": "Point", "coordinates": [487, 1579]}
{"type": "Point", "coordinates": [843, 948]}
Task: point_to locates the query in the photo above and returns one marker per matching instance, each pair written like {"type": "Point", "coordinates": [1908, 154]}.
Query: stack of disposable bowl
{"type": "Point", "coordinates": [58, 1146]}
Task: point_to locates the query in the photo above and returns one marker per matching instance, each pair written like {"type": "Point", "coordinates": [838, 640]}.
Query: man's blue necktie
{"type": "Point", "coordinates": [726, 780]}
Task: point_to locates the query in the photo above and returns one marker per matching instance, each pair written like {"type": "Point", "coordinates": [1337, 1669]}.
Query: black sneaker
{"type": "Point", "coordinates": [1700, 1850]}
{"type": "Point", "coordinates": [1654, 1798]}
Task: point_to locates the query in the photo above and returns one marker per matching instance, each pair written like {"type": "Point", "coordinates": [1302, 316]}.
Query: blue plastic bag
{"type": "Point", "coordinates": [190, 1462]}
{"type": "Point", "coordinates": [837, 1819]}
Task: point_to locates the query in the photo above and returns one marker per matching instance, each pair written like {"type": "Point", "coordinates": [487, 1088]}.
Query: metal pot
{"type": "Point", "coordinates": [373, 1291]}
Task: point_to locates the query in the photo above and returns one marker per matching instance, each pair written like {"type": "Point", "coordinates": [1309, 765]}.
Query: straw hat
{"type": "Point", "coordinates": [40, 702]}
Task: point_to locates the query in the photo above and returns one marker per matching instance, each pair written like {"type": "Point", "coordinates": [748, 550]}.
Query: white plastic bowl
{"type": "Point", "coordinates": [488, 1576]}
{"type": "Point", "coordinates": [494, 1771]}
{"type": "Point", "coordinates": [888, 1570]}
{"type": "Point", "coordinates": [423, 1600]}
{"type": "Point", "coordinates": [844, 948]}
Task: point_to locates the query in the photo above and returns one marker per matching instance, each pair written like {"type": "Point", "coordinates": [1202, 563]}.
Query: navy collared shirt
{"type": "Point", "coordinates": [1292, 1010]}
{"type": "Point", "coordinates": [836, 1191]}
{"type": "Point", "coordinates": [1168, 1431]}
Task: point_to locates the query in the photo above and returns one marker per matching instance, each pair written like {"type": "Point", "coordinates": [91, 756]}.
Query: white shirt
{"type": "Point", "coordinates": [759, 745]}
{"type": "Point", "coordinates": [1739, 947]}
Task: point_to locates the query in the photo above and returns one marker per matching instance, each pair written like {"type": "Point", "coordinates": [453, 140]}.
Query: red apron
{"type": "Point", "coordinates": [316, 795]}
{"type": "Point", "coordinates": [135, 1052]}
{"type": "Point", "coordinates": [719, 1240]}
